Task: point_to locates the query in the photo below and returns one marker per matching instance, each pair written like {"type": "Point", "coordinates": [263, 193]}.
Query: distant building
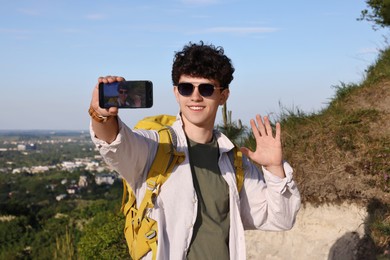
{"type": "Point", "coordinates": [69, 166]}
{"type": "Point", "coordinates": [39, 169]}
{"type": "Point", "coordinates": [61, 197]}
{"type": "Point", "coordinates": [21, 147]}
{"type": "Point", "coordinates": [21, 170]}
{"type": "Point", "coordinates": [105, 179]}
{"type": "Point", "coordinates": [92, 166]}
{"type": "Point", "coordinates": [28, 147]}
{"type": "Point", "coordinates": [72, 190]}
{"type": "Point", "coordinates": [83, 181]}
{"type": "Point", "coordinates": [31, 147]}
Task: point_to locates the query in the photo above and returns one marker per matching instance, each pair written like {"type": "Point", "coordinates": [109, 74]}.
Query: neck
{"type": "Point", "coordinates": [198, 134]}
{"type": "Point", "coordinates": [201, 137]}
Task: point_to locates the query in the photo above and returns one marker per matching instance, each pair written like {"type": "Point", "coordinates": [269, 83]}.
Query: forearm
{"type": "Point", "coordinates": [106, 131]}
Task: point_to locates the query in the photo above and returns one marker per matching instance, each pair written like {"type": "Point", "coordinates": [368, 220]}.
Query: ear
{"type": "Point", "coordinates": [224, 96]}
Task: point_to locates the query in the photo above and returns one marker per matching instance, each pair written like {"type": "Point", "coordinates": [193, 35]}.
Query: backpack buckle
{"type": "Point", "coordinates": [151, 234]}
{"type": "Point", "coordinates": [151, 185]}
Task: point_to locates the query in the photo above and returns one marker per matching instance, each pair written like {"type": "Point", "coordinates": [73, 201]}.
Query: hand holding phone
{"type": "Point", "coordinates": [126, 94]}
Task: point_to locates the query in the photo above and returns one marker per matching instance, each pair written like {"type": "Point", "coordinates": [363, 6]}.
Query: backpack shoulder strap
{"type": "Point", "coordinates": [166, 158]}
{"type": "Point", "coordinates": [140, 231]}
{"type": "Point", "coordinates": [235, 156]}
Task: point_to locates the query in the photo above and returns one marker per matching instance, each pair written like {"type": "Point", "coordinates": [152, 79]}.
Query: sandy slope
{"type": "Point", "coordinates": [325, 232]}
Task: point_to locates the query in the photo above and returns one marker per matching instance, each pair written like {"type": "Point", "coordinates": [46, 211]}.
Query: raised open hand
{"type": "Point", "coordinates": [268, 147]}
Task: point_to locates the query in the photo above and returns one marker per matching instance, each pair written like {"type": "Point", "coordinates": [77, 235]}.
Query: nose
{"type": "Point", "coordinates": [196, 96]}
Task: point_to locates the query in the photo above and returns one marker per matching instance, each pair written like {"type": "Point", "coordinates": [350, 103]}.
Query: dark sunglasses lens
{"type": "Point", "coordinates": [206, 90]}
{"type": "Point", "coordinates": [185, 89]}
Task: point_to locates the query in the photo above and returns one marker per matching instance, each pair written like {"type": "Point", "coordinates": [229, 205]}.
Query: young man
{"type": "Point", "coordinates": [199, 212]}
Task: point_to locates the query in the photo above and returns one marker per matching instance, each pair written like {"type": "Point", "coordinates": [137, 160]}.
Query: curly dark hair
{"type": "Point", "coordinates": [205, 61]}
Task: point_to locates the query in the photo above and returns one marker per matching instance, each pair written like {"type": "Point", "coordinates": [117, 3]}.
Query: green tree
{"type": "Point", "coordinates": [379, 13]}
{"type": "Point", "coordinates": [232, 129]}
{"type": "Point", "coordinates": [103, 238]}
{"type": "Point", "coordinates": [65, 246]}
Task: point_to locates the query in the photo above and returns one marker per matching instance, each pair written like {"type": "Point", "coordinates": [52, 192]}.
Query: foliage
{"type": "Point", "coordinates": [34, 225]}
{"type": "Point", "coordinates": [342, 152]}
{"type": "Point", "coordinates": [380, 70]}
{"type": "Point", "coordinates": [232, 129]}
{"type": "Point", "coordinates": [103, 238]}
{"type": "Point", "coordinates": [65, 245]}
{"type": "Point", "coordinates": [378, 222]}
{"type": "Point", "coordinates": [338, 154]}
{"type": "Point", "coordinates": [13, 232]}
{"type": "Point", "coordinates": [379, 13]}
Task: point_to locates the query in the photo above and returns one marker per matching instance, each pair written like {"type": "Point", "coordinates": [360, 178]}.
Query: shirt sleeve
{"type": "Point", "coordinates": [269, 202]}
{"type": "Point", "coordinates": [129, 154]}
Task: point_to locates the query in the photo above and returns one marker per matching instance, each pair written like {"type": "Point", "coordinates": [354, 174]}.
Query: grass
{"type": "Point", "coordinates": [342, 153]}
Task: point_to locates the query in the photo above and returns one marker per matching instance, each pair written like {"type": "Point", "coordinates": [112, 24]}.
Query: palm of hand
{"type": "Point", "coordinates": [268, 148]}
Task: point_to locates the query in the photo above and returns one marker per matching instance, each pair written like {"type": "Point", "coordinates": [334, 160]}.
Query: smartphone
{"type": "Point", "coordinates": [126, 94]}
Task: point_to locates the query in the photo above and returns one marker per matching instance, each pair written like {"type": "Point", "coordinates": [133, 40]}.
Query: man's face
{"type": "Point", "coordinates": [123, 94]}
{"type": "Point", "coordinates": [197, 109]}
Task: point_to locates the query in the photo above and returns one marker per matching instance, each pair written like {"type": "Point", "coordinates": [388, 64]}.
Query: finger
{"type": "Point", "coordinates": [105, 79]}
{"type": "Point", "coordinates": [255, 130]}
{"type": "Point", "coordinates": [260, 125]}
{"type": "Point", "coordinates": [268, 127]}
{"type": "Point", "coordinates": [111, 79]}
{"type": "Point", "coordinates": [113, 111]}
{"type": "Point", "coordinates": [278, 130]}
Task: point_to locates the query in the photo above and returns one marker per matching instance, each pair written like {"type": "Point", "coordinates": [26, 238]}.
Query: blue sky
{"type": "Point", "coordinates": [284, 52]}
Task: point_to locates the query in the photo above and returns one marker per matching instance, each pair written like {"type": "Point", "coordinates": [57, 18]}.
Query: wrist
{"type": "Point", "coordinates": [96, 116]}
{"type": "Point", "coordinates": [277, 170]}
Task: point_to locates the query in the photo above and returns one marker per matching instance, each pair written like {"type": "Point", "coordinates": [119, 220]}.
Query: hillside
{"type": "Point", "coordinates": [342, 154]}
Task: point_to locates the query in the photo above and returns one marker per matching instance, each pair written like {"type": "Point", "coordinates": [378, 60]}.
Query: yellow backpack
{"type": "Point", "coordinates": [140, 230]}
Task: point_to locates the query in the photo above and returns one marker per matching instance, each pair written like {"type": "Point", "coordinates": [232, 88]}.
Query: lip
{"type": "Point", "coordinates": [196, 108]}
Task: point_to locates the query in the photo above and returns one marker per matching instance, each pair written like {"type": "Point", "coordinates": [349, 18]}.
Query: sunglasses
{"type": "Point", "coordinates": [205, 89]}
{"type": "Point", "coordinates": [122, 92]}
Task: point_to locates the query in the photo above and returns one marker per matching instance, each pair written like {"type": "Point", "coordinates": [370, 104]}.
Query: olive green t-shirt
{"type": "Point", "coordinates": [210, 239]}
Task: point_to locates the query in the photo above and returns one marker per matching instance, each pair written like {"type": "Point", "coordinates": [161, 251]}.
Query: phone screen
{"type": "Point", "coordinates": [126, 94]}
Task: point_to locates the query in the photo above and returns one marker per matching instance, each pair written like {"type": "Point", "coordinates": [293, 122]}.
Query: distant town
{"type": "Point", "coordinates": [55, 192]}
{"type": "Point", "coordinates": [17, 146]}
